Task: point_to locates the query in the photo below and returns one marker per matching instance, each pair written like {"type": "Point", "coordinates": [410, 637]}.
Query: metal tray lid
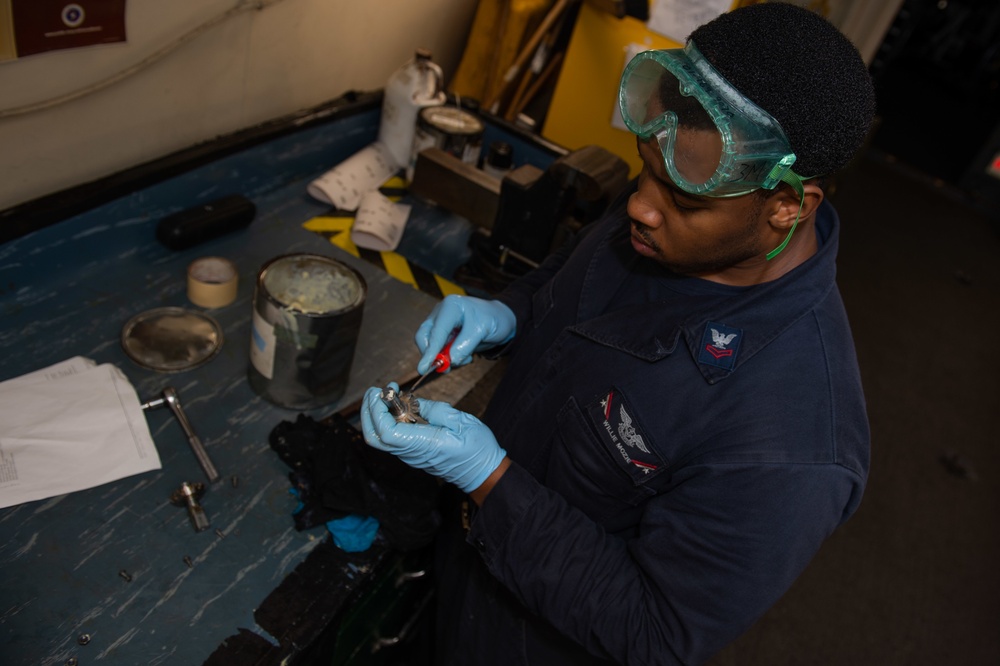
{"type": "Point", "coordinates": [171, 339]}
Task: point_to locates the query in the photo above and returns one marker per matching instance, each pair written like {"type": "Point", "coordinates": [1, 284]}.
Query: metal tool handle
{"type": "Point", "coordinates": [202, 455]}
{"type": "Point", "coordinates": [172, 399]}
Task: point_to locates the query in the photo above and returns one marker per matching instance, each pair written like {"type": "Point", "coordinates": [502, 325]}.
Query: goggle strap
{"type": "Point", "coordinates": [792, 179]}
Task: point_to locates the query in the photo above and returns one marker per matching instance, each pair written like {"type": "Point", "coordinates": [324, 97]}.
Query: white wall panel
{"type": "Point", "coordinates": [253, 67]}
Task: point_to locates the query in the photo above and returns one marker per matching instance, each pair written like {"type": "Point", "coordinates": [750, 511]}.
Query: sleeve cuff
{"type": "Point", "coordinates": [503, 509]}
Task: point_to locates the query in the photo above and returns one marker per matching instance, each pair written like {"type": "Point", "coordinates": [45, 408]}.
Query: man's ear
{"type": "Point", "coordinates": [785, 205]}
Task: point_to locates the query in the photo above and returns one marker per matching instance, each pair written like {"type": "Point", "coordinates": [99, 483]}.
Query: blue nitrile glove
{"type": "Point", "coordinates": [482, 324]}
{"type": "Point", "coordinates": [353, 533]}
{"type": "Point", "coordinates": [453, 445]}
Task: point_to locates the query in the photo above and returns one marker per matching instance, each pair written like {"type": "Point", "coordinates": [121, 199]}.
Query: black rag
{"type": "Point", "coordinates": [334, 474]}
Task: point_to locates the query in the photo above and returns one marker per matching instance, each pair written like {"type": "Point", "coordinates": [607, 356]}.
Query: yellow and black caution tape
{"type": "Point", "coordinates": [337, 228]}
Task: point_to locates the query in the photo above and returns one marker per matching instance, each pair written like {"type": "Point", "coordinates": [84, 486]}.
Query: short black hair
{"type": "Point", "coordinates": [798, 67]}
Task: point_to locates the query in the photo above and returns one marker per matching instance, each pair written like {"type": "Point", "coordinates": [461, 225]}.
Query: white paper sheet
{"type": "Point", "coordinates": [71, 366]}
{"type": "Point", "coordinates": [68, 427]}
{"type": "Point", "coordinates": [677, 19]}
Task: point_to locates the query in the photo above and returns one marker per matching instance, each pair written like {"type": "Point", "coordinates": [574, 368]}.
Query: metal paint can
{"type": "Point", "coordinates": [451, 129]}
{"type": "Point", "coordinates": [307, 311]}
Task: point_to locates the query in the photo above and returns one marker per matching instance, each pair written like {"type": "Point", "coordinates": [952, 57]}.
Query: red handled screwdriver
{"type": "Point", "coordinates": [440, 363]}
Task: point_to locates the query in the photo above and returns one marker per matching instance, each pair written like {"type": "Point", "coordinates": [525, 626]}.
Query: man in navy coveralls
{"type": "Point", "coordinates": [681, 423]}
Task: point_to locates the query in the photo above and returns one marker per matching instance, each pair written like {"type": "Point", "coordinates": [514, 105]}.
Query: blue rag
{"type": "Point", "coordinates": [353, 533]}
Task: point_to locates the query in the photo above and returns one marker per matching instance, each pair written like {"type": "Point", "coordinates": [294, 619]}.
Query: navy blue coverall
{"type": "Point", "coordinates": [680, 451]}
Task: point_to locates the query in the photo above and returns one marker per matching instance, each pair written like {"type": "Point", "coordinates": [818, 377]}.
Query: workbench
{"type": "Point", "coordinates": [101, 575]}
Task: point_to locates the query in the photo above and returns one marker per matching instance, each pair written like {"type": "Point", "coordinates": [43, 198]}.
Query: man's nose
{"type": "Point", "coordinates": [643, 211]}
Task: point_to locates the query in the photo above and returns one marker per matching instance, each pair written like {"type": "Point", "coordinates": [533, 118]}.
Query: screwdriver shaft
{"type": "Point", "coordinates": [434, 366]}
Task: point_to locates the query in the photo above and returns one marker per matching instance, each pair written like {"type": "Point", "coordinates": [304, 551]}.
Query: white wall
{"type": "Point", "coordinates": [252, 67]}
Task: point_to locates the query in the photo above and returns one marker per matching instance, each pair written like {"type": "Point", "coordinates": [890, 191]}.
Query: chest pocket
{"type": "Point", "coordinates": [603, 462]}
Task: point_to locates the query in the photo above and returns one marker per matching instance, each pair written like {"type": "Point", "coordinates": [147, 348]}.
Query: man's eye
{"type": "Point", "coordinates": [681, 205]}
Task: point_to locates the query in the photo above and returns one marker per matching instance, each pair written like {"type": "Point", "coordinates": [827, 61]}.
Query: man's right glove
{"type": "Point", "coordinates": [481, 325]}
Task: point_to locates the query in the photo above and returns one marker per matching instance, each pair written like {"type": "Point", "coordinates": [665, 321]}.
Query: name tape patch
{"type": "Point", "coordinates": [624, 438]}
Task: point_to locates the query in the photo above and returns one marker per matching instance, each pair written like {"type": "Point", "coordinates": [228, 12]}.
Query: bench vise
{"type": "Point", "coordinates": [522, 218]}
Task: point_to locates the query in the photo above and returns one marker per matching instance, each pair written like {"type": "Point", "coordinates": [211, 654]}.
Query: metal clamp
{"type": "Point", "coordinates": [407, 576]}
{"type": "Point", "coordinates": [380, 643]}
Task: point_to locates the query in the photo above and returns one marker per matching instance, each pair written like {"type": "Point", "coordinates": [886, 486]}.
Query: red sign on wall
{"type": "Point", "coordinates": [49, 25]}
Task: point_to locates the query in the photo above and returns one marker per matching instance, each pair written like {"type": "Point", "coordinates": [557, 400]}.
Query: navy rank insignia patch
{"type": "Point", "coordinates": [623, 437]}
{"type": "Point", "coordinates": [719, 345]}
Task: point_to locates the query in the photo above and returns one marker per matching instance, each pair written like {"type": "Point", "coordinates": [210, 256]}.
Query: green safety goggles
{"type": "Point", "coordinates": [715, 142]}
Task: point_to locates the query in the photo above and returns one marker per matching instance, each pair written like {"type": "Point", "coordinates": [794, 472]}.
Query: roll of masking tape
{"type": "Point", "coordinates": [212, 282]}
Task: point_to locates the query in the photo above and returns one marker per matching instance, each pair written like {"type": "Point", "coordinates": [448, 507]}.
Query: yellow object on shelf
{"type": "Point", "coordinates": [586, 96]}
{"type": "Point", "coordinates": [585, 99]}
{"type": "Point", "coordinates": [499, 30]}
{"type": "Point", "coordinates": [8, 46]}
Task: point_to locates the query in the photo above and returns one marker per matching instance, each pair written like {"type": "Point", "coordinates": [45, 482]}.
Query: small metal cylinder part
{"type": "Point", "coordinates": [390, 397]}
{"type": "Point", "coordinates": [125, 576]}
{"type": "Point", "coordinates": [187, 495]}
{"type": "Point", "coordinates": [189, 562]}
{"type": "Point", "coordinates": [402, 405]}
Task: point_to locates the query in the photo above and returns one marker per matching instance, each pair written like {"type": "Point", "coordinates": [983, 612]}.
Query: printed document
{"type": "Point", "coordinates": [68, 427]}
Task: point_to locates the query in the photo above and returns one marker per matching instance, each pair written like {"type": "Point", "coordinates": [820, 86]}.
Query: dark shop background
{"type": "Point", "coordinates": [913, 578]}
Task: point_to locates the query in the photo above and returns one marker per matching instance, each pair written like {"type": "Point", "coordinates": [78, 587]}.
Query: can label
{"type": "Point", "coordinates": [262, 344]}
{"type": "Point", "coordinates": [294, 338]}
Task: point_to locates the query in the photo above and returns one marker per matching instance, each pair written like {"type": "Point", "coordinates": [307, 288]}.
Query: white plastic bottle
{"type": "Point", "coordinates": [415, 85]}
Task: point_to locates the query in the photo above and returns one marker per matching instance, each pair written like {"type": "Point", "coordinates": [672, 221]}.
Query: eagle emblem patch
{"type": "Point", "coordinates": [720, 345]}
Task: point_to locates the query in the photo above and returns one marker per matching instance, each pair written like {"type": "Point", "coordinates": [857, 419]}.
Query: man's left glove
{"type": "Point", "coordinates": [454, 446]}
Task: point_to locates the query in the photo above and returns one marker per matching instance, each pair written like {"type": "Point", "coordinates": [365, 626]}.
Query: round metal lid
{"type": "Point", "coordinates": [171, 339]}
{"type": "Point", "coordinates": [451, 120]}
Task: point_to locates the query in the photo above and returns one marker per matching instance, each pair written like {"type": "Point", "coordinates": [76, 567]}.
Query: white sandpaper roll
{"type": "Point", "coordinates": [364, 171]}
